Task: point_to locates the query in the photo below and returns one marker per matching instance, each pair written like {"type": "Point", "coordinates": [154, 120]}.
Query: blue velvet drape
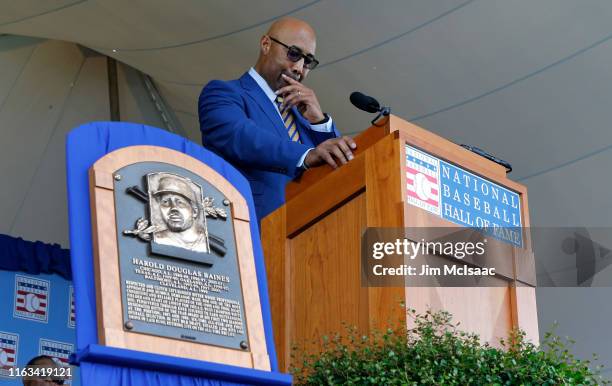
{"type": "Point", "coordinates": [17, 254]}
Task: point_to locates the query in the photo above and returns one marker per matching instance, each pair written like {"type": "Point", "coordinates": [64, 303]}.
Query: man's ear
{"type": "Point", "coordinates": [196, 211]}
{"type": "Point", "coordinates": [264, 44]}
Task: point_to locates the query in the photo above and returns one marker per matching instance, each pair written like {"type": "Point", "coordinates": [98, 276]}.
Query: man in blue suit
{"type": "Point", "coordinates": [267, 123]}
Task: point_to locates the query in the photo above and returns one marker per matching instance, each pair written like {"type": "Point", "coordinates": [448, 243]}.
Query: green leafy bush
{"type": "Point", "coordinates": [435, 352]}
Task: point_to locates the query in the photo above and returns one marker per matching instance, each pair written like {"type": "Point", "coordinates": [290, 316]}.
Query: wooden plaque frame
{"type": "Point", "coordinates": [106, 264]}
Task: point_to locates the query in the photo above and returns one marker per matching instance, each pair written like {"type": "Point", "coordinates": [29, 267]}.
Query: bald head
{"type": "Point", "coordinates": [273, 61]}
{"type": "Point", "coordinates": [41, 362]}
{"type": "Point", "coordinates": [289, 28]}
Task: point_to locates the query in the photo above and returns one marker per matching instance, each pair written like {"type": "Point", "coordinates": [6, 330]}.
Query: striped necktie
{"type": "Point", "coordinates": [290, 124]}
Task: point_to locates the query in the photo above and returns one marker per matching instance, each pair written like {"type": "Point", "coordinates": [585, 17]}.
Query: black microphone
{"type": "Point", "coordinates": [488, 156]}
{"type": "Point", "coordinates": [364, 102]}
{"type": "Point", "coordinates": [370, 105]}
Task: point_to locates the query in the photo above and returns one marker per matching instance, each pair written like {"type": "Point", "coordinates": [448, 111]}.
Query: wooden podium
{"type": "Point", "coordinates": [312, 247]}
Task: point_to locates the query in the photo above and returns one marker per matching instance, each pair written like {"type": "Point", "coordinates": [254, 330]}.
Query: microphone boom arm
{"type": "Point", "coordinates": [383, 112]}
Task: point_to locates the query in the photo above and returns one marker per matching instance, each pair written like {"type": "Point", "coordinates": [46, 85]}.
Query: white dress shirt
{"type": "Point", "coordinates": [325, 127]}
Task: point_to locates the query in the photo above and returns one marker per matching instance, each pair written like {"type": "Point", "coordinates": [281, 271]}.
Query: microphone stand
{"type": "Point", "coordinates": [383, 112]}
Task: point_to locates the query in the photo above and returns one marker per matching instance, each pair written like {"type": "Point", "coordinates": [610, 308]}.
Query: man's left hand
{"type": "Point", "coordinates": [296, 94]}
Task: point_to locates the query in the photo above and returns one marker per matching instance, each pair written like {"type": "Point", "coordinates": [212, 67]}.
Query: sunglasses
{"type": "Point", "coordinates": [295, 54]}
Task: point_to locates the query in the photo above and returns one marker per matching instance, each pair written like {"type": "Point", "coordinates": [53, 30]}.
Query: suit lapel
{"type": "Point", "coordinates": [256, 93]}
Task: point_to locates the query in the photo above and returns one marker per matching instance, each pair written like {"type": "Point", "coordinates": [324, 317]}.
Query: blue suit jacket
{"type": "Point", "coordinates": [243, 126]}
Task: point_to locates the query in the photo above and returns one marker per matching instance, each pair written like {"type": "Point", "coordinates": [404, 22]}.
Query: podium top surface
{"type": "Point", "coordinates": [416, 136]}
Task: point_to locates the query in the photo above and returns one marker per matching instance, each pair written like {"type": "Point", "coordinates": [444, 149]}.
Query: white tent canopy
{"type": "Point", "coordinates": [528, 81]}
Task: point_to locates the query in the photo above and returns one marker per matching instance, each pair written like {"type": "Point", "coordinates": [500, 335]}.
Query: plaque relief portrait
{"type": "Point", "coordinates": [177, 225]}
{"type": "Point", "coordinates": [176, 208]}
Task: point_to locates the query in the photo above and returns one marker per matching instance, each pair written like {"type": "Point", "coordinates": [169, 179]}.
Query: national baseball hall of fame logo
{"type": "Point", "coordinates": [461, 197]}
{"type": "Point", "coordinates": [8, 352]}
{"type": "Point", "coordinates": [31, 298]}
{"type": "Point", "coordinates": [422, 183]}
{"type": "Point", "coordinates": [58, 350]}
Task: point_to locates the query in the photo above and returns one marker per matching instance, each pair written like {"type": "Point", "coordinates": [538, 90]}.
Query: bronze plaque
{"type": "Point", "coordinates": [174, 264]}
{"type": "Point", "coordinates": [178, 267]}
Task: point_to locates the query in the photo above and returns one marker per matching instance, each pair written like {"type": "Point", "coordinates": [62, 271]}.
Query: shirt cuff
{"type": "Point", "coordinates": [325, 127]}
{"type": "Point", "coordinates": [300, 163]}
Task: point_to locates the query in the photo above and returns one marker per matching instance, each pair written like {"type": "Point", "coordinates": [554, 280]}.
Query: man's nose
{"type": "Point", "coordinates": [298, 68]}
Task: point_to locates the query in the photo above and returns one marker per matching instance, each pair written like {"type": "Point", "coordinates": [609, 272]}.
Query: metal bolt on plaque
{"type": "Point", "coordinates": [129, 325]}
{"type": "Point", "coordinates": [244, 345]}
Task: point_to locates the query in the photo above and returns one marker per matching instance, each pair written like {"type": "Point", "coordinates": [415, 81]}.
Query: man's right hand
{"type": "Point", "coordinates": [330, 151]}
